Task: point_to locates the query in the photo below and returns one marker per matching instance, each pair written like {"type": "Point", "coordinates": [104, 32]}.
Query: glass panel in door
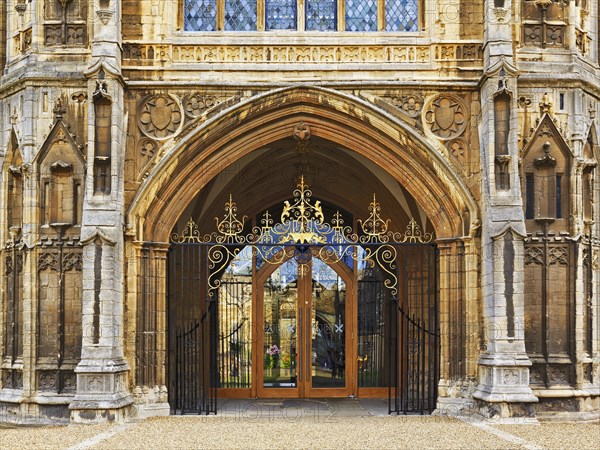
{"type": "Point", "coordinates": [328, 330]}
{"type": "Point", "coordinates": [280, 327]}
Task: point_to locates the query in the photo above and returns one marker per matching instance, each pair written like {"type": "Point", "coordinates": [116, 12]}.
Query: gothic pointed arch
{"type": "Point", "coordinates": [186, 163]}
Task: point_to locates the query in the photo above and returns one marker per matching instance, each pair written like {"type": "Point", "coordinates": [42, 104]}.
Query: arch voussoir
{"type": "Point", "coordinates": [192, 161]}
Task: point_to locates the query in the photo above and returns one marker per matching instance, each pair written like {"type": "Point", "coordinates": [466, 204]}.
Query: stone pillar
{"type": "Point", "coordinates": [503, 388]}
{"type": "Point", "coordinates": [103, 373]}
{"type": "Point", "coordinates": [459, 324]}
{"type": "Point", "coordinates": [147, 330]}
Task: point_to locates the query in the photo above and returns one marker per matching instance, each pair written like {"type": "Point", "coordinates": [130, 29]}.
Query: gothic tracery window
{"type": "Point", "coordinates": [65, 22]}
{"type": "Point", "coordinates": [319, 15]}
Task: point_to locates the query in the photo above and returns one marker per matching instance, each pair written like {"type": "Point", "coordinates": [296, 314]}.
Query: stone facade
{"type": "Point", "coordinates": [115, 119]}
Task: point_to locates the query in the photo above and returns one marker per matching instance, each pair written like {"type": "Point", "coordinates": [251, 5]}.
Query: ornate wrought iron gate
{"type": "Point", "coordinates": [398, 307]}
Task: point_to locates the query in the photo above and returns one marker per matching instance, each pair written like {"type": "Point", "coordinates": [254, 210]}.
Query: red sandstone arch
{"type": "Point", "coordinates": [191, 161]}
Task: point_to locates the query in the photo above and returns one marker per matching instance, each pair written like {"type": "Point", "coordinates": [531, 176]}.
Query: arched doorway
{"type": "Point", "coordinates": [372, 152]}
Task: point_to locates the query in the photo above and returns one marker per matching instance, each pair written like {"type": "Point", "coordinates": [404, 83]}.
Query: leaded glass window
{"type": "Point", "coordinates": [240, 15]}
{"type": "Point", "coordinates": [200, 15]}
{"type": "Point", "coordinates": [280, 14]}
{"type": "Point", "coordinates": [321, 15]}
{"type": "Point", "coordinates": [361, 15]}
{"type": "Point", "coordinates": [401, 15]}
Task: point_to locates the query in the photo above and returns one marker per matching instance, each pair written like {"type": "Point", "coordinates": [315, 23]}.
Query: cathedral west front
{"type": "Point", "coordinates": [215, 199]}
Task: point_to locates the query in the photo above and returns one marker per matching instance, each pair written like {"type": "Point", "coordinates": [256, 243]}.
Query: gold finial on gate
{"type": "Point", "coordinates": [190, 233]}
{"type": "Point", "coordinates": [230, 227]}
{"type": "Point", "coordinates": [374, 227]}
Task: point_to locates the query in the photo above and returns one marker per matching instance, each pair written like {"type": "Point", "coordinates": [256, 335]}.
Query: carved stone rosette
{"type": "Point", "coordinates": [445, 117]}
{"type": "Point", "coordinates": [160, 116]}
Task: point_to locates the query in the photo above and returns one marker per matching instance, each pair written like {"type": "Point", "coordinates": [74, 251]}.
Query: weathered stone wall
{"type": "Point", "coordinates": [167, 92]}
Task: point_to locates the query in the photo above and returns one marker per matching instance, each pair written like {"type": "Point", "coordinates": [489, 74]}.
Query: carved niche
{"type": "Point", "coordinates": [545, 177]}
{"type": "Point", "coordinates": [15, 171]}
{"type": "Point", "coordinates": [61, 168]}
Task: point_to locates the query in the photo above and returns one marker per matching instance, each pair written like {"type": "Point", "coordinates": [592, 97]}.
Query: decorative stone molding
{"type": "Point", "coordinates": [196, 104]}
{"type": "Point", "coordinates": [105, 15]}
{"type": "Point", "coordinates": [48, 261]}
{"type": "Point", "coordinates": [151, 401]}
{"type": "Point", "coordinates": [534, 255]}
{"type": "Point", "coordinates": [411, 104]}
{"type": "Point", "coordinates": [445, 116]}
{"type": "Point", "coordinates": [458, 149]}
{"type": "Point", "coordinates": [500, 14]}
{"type": "Point", "coordinates": [160, 116]}
{"type": "Point", "coordinates": [135, 54]}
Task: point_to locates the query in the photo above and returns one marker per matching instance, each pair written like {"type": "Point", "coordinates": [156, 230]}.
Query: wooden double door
{"type": "Point", "coordinates": [303, 345]}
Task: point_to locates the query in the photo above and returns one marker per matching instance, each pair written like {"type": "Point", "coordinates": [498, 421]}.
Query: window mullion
{"type": "Point", "coordinates": [260, 15]}
{"type": "Point", "coordinates": [220, 15]}
{"type": "Point", "coordinates": [381, 15]}
{"type": "Point", "coordinates": [341, 15]}
{"type": "Point", "coordinates": [301, 15]}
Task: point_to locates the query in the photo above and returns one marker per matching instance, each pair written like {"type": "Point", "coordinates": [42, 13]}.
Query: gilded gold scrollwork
{"type": "Point", "coordinates": [301, 233]}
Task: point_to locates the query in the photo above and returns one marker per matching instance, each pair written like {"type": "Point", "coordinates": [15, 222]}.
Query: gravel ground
{"type": "Point", "coordinates": [304, 433]}
{"type": "Point", "coordinates": [47, 437]}
{"type": "Point", "coordinates": [333, 433]}
{"type": "Point", "coordinates": [582, 436]}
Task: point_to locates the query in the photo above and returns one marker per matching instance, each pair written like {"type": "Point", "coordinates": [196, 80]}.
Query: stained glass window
{"type": "Point", "coordinates": [401, 15]}
{"type": "Point", "coordinates": [280, 14]}
{"type": "Point", "coordinates": [361, 15]}
{"type": "Point", "coordinates": [240, 15]}
{"type": "Point", "coordinates": [321, 15]}
{"type": "Point", "coordinates": [200, 15]}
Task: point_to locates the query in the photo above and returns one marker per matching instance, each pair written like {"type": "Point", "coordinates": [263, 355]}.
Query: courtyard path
{"type": "Point", "coordinates": [246, 431]}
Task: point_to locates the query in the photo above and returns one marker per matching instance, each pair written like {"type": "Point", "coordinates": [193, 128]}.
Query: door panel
{"type": "Point", "coordinates": [302, 333]}
{"type": "Point", "coordinates": [328, 328]}
{"type": "Point", "coordinates": [280, 330]}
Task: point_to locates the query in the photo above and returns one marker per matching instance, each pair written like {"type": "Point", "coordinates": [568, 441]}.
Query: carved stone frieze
{"type": "Point", "coordinates": [70, 381]}
{"type": "Point", "coordinates": [511, 376]}
{"type": "Point", "coordinates": [134, 53]}
{"type": "Point", "coordinates": [446, 116]}
{"type": "Point", "coordinates": [558, 374]}
{"type": "Point", "coordinates": [148, 395]}
{"type": "Point", "coordinates": [535, 375]}
{"type": "Point", "coordinates": [94, 383]}
{"type": "Point", "coordinates": [160, 116]}
{"type": "Point", "coordinates": [12, 379]}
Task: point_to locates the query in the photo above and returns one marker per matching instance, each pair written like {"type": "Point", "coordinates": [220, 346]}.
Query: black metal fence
{"type": "Point", "coordinates": [398, 327]}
